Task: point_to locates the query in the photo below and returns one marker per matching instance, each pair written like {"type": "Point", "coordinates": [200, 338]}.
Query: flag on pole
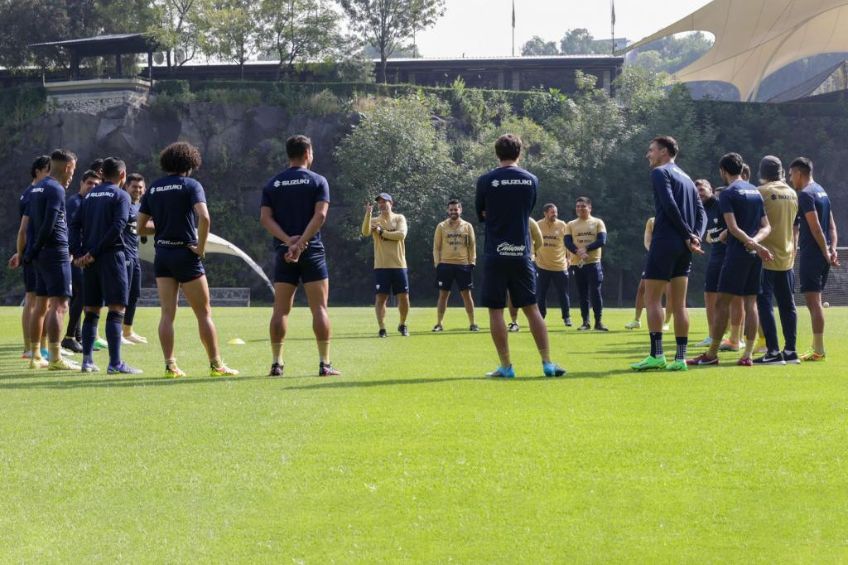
{"type": "Point", "coordinates": [612, 5]}
{"type": "Point", "coordinates": [513, 14]}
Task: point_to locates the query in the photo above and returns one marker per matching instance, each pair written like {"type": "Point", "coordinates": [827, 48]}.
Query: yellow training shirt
{"type": "Point", "coordinates": [781, 203]}
{"type": "Point", "coordinates": [454, 245]}
{"type": "Point", "coordinates": [552, 255]}
{"type": "Point", "coordinates": [535, 236]}
{"type": "Point", "coordinates": [585, 233]}
{"type": "Point", "coordinates": [389, 248]}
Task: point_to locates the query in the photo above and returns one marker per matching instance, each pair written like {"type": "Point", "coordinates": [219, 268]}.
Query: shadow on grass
{"type": "Point", "coordinates": [121, 383]}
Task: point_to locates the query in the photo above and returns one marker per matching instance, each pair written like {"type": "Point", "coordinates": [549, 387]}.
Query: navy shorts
{"type": "Point", "coordinates": [133, 280]}
{"type": "Point", "coordinates": [105, 281]}
{"type": "Point", "coordinates": [30, 277]}
{"type": "Point", "coordinates": [53, 273]}
{"type": "Point", "coordinates": [711, 276]}
{"type": "Point", "coordinates": [513, 275]}
{"type": "Point", "coordinates": [311, 267]}
{"type": "Point", "coordinates": [668, 259]}
{"type": "Point", "coordinates": [395, 281]}
{"type": "Point", "coordinates": [741, 274]}
{"type": "Point", "coordinates": [447, 273]}
{"type": "Point", "coordinates": [813, 272]}
{"type": "Point", "coordinates": [179, 263]}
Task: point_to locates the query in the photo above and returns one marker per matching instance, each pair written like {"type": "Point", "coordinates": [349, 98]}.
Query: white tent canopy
{"type": "Point", "coordinates": [214, 244]}
{"type": "Point", "coordinates": [754, 38]}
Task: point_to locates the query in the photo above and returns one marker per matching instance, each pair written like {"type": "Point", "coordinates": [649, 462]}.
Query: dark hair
{"type": "Point", "coordinates": [180, 157]}
{"type": "Point", "coordinates": [453, 201]}
{"type": "Point", "coordinates": [704, 182]}
{"type": "Point", "coordinates": [803, 164]}
{"type": "Point", "coordinates": [89, 174]}
{"type": "Point", "coordinates": [96, 165]}
{"type": "Point", "coordinates": [41, 162]}
{"type": "Point", "coordinates": [669, 143]}
{"type": "Point", "coordinates": [584, 199]}
{"type": "Point", "coordinates": [508, 147]}
{"type": "Point", "coordinates": [134, 177]}
{"type": "Point", "coordinates": [63, 156]}
{"type": "Point", "coordinates": [113, 167]}
{"type": "Point", "coordinates": [548, 206]}
{"type": "Point", "coordinates": [746, 170]}
{"type": "Point", "coordinates": [732, 164]}
{"type": "Point", "coordinates": [297, 146]}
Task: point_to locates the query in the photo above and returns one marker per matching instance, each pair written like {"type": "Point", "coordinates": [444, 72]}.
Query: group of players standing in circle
{"type": "Point", "coordinates": [87, 249]}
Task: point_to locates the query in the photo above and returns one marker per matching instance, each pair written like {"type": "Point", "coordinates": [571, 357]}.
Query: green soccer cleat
{"type": "Point", "coordinates": [173, 372]}
{"type": "Point", "coordinates": [222, 371]}
{"type": "Point", "coordinates": [677, 365]}
{"type": "Point", "coordinates": [650, 363]}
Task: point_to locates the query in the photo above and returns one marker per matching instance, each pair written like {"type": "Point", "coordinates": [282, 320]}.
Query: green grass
{"type": "Point", "coordinates": [411, 456]}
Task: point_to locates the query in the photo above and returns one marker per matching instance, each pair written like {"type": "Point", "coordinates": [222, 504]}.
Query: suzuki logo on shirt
{"type": "Point", "coordinates": [295, 182]}
{"type": "Point", "coordinates": [511, 250]}
{"type": "Point", "coordinates": [512, 182]}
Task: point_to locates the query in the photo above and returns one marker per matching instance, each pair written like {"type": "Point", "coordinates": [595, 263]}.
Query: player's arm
{"type": "Point", "coordinates": [75, 238]}
{"type": "Point", "coordinates": [700, 219]}
{"type": "Point", "coordinates": [204, 224]}
{"type": "Point", "coordinates": [52, 205]}
{"type": "Point", "coordinates": [20, 243]}
{"type": "Point", "coordinates": [266, 218]}
{"type": "Point", "coordinates": [319, 216]}
{"type": "Point", "coordinates": [834, 240]}
{"type": "Point", "coordinates": [437, 246]}
{"type": "Point", "coordinates": [815, 228]}
{"type": "Point", "coordinates": [116, 227]}
{"type": "Point", "coordinates": [648, 235]}
{"type": "Point", "coordinates": [366, 222]}
{"type": "Point", "coordinates": [536, 236]}
{"type": "Point", "coordinates": [480, 200]}
{"type": "Point", "coordinates": [569, 243]}
{"type": "Point", "coordinates": [472, 246]}
{"type": "Point", "coordinates": [145, 224]}
{"type": "Point", "coordinates": [600, 241]}
{"type": "Point", "coordinates": [396, 235]}
{"type": "Point", "coordinates": [662, 188]}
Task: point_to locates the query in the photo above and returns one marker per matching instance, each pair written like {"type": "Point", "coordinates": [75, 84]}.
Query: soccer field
{"type": "Point", "coordinates": [413, 456]}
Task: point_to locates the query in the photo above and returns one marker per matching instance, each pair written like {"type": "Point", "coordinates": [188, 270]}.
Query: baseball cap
{"type": "Point", "coordinates": [384, 196]}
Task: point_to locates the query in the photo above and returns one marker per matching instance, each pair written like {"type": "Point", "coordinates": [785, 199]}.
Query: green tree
{"type": "Point", "coordinates": [538, 46]}
{"type": "Point", "coordinates": [580, 42]}
{"type": "Point", "coordinates": [23, 22]}
{"type": "Point", "coordinates": [389, 24]}
{"type": "Point", "coordinates": [229, 30]}
{"type": "Point", "coordinates": [177, 29]}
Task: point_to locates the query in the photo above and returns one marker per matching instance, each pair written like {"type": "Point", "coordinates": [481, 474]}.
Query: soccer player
{"type": "Point", "coordinates": [294, 207]}
{"type": "Point", "coordinates": [135, 187]}
{"type": "Point", "coordinates": [73, 333]}
{"type": "Point", "coordinates": [504, 200]}
{"type": "Point", "coordinates": [640, 292]}
{"type": "Point", "coordinates": [454, 256]}
{"type": "Point", "coordinates": [388, 230]}
{"type": "Point", "coordinates": [817, 240]}
{"type": "Point", "coordinates": [778, 279]}
{"type": "Point", "coordinates": [50, 253]}
{"type": "Point", "coordinates": [97, 243]}
{"type": "Point", "coordinates": [712, 236]}
{"type": "Point", "coordinates": [35, 307]}
{"type": "Point", "coordinates": [585, 239]}
{"type": "Point", "coordinates": [747, 226]}
{"type": "Point", "coordinates": [679, 223]}
{"type": "Point", "coordinates": [552, 263]}
{"type": "Point", "coordinates": [535, 235]}
{"type": "Point", "coordinates": [177, 205]}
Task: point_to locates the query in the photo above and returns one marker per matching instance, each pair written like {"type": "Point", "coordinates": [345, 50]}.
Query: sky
{"type": "Point", "coordinates": [482, 28]}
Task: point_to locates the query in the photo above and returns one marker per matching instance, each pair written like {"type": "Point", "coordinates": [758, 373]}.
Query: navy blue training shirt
{"type": "Point", "coordinates": [131, 232]}
{"type": "Point", "coordinates": [505, 200]}
{"type": "Point", "coordinates": [291, 196]}
{"type": "Point", "coordinates": [170, 202]}
{"type": "Point", "coordinates": [23, 210]}
{"type": "Point", "coordinates": [715, 226]}
{"type": "Point", "coordinates": [101, 220]}
{"type": "Point", "coordinates": [745, 202]}
{"type": "Point", "coordinates": [678, 208]}
{"type": "Point", "coordinates": [47, 215]}
{"type": "Point", "coordinates": [813, 199]}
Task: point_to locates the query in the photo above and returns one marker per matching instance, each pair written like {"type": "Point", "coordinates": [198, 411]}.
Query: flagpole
{"type": "Point", "coordinates": [513, 28]}
{"type": "Point", "coordinates": [612, 23]}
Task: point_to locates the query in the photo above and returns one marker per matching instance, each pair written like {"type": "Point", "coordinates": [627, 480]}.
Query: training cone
{"type": "Point", "coordinates": [236, 341]}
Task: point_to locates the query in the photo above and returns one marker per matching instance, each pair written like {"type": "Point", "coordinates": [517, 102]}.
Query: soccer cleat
{"type": "Point", "coordinates": [71, 344]}
{"type": "Point", "coordinates": [222, 371]}
{"type": "Point", "coordinates": [173, 372]}
{"type": "Point", "coordinates": [728, 345]}
{"type": "Point", "coordinates": [382, 333]}
{"type": "Point", "coordinates": [38, 363]}
{"type": "Point", "coordinates": [26, 354]}
{"type": "Point", "coordinates": [600, 327]}
{"type": "Point", "coordinates": [666, 327]}
{"type": "Point", "coordinates": [403, 330]}
{"type": "Point", "coordinates": [100, 343]}
{"type": "Point", "coordinates": [474, 328]}
{"type": "Point", "coordinates": [502, 373]}
{"type": "Point", "coordinates": [553, 370]}
{"type": "Point", "coordinates": [770, 359]}
{"type": "Point", "coordinates": [438, 328]}
{"type": "Point", "coordinates": [276, 370]}
{"type": "Point", "coordinates": [513, 327]}
{"type": "Point", "coordinates": [702, 360]}
{"type": "Point", "coordinates": [706, 342]}
{"type": "Point", "coordinates": [125, 341]}
{"type": "Point", "coordinates": [135, 338]}
{"type": "Point", "coordinates": [67, 352]}
{"type": "Point", "coordinates": [327, 370]}
{"type": "Point", "coordinates": [123, 369]}
{"type": "Point", "coordinates": [62, 364]}
{"type": "Point", "coordinates": [812, 355]}
{"type": "Point", "coordinates": [568, 323]}
{"type": "Point", "coordinates": [650, 363]}
{"type": "Point", "coordinates": [745, 362]}
{"type": "Point", "coordinates": [634, 325]}
{"type": "Point", "coordinates": [677, 365]}
{"type": "Point", "coordinates": [791, 358]}
{"type": "Point", "coordinates": [89, 367]}
{"type": "Point", "coordinates": [584, 327]}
